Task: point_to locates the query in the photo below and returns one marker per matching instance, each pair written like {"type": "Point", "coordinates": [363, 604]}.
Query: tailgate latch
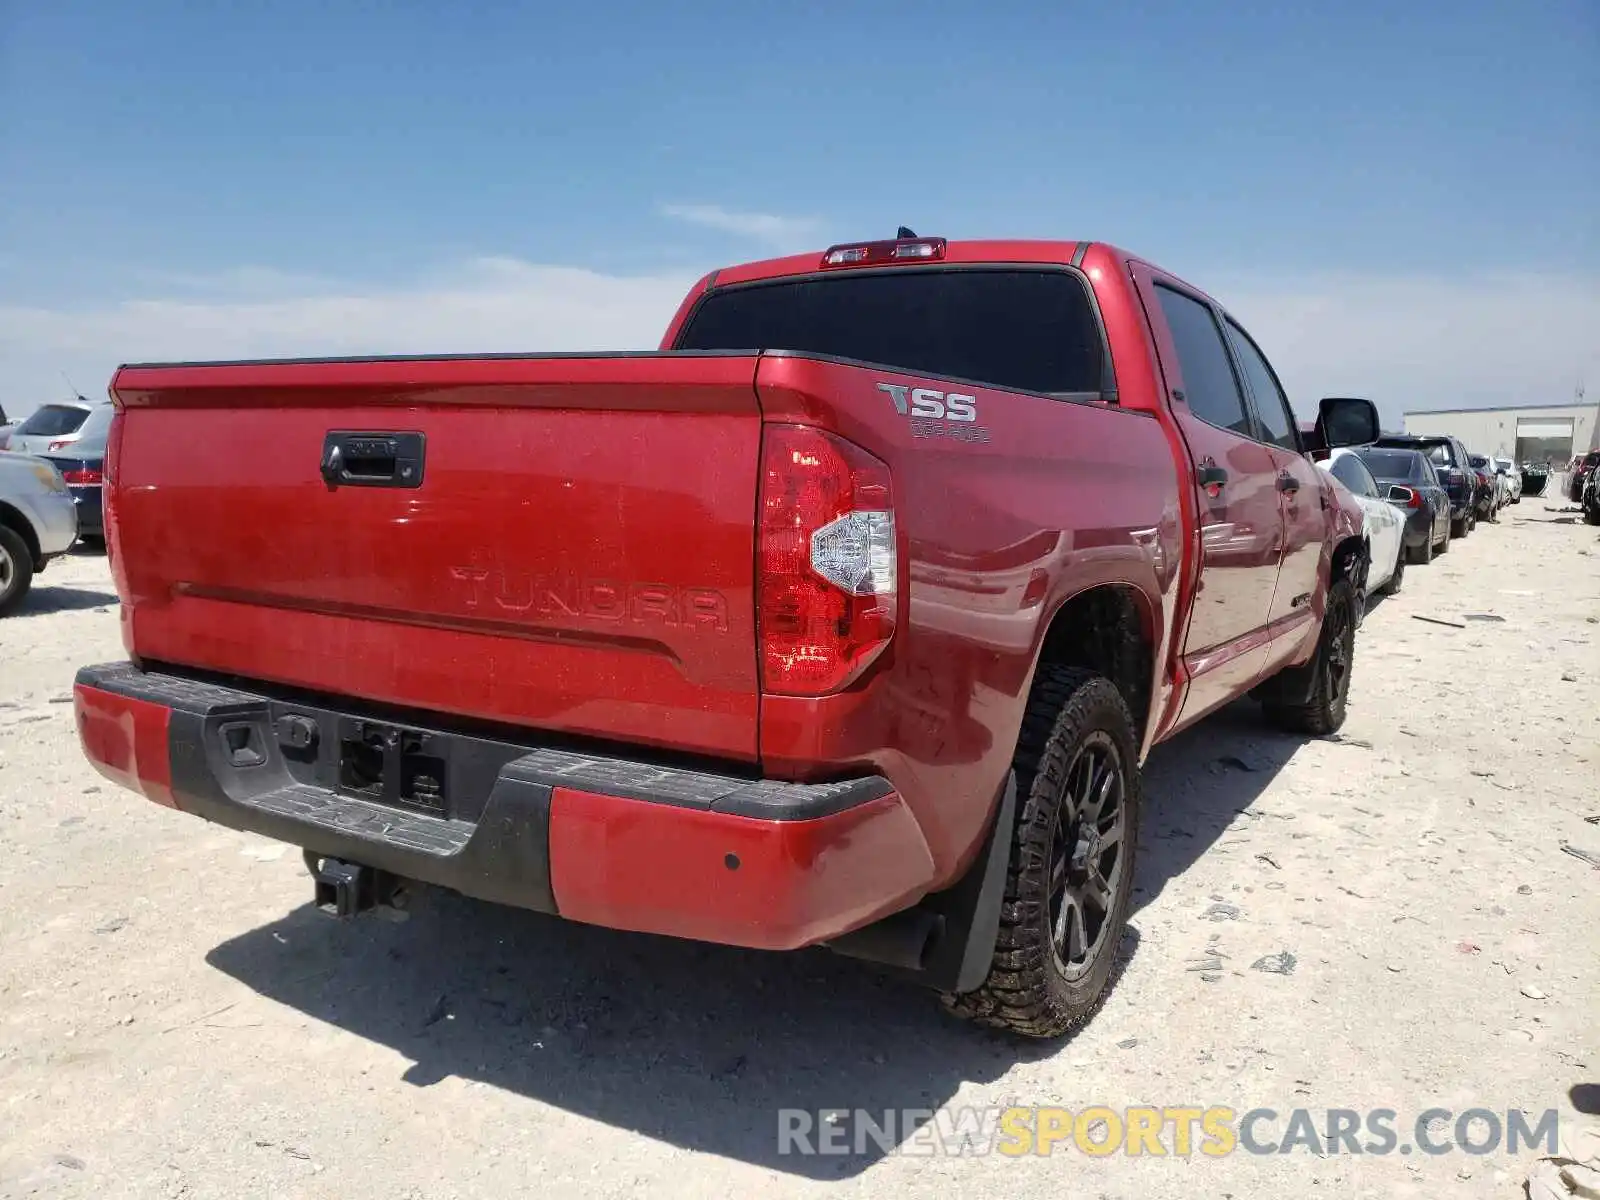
{"type": "Point", "coordinates": [393, 460]}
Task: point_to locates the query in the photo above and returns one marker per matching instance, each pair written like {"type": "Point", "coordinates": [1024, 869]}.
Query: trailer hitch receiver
{"type": "Point", "coordinates": [347, 889]}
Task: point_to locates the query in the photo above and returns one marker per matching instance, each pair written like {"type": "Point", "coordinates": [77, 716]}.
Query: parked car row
{"type": "Point", "coordinates": [1420, 492]}
{"type": "Point", "coordinates": [1579, 472]}
{"type": "Point", "coordinates": [51, 480]}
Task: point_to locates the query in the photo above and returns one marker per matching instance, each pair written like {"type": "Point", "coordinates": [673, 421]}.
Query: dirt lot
{"type": "Point", "coordinates": [176, 1021]}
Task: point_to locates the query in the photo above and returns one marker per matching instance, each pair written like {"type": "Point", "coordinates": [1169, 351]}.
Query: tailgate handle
{"type": "Point", "coordinates": [372, 459]}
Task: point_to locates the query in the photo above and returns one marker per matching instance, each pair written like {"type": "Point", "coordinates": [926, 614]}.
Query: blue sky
{"type": "Point", "coordinates": [185, 175]}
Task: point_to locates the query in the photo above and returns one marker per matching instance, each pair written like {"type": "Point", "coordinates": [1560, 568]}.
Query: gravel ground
{"type": "Point", "coordinates": [1385, 919]}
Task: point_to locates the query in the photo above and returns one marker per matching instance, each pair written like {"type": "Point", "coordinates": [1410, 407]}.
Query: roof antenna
{"type": "Point", "coordinates": [75, 391]}
{"type": "Point", "coordinates": [903, 234]}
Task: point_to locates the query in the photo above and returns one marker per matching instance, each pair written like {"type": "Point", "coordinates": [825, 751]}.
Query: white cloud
{"type": "Point", "coordinates": [784, 233]}
{"type": "Point", "coordinates": [1404, 342]}
{"type": "Point", "coordinates": [490, 305]}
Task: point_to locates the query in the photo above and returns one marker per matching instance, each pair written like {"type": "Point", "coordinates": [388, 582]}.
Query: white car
{"type": "Point", "coordinates": [1507, 470]}
{"type": "Point", "coordinates": [38, 522]}
{"type": "Point", "coordinates": [57, 426]}
{"type": "Point", "coordinates": [1384, 524]}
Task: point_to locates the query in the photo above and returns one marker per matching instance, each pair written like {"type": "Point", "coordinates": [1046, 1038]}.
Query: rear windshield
{"type": "Point", "coordinates": [53, 420]}
{"type": "Point", "coordinates": [1028, 330]}
{"type": "Point", "coordinates": [1393, 464]}
{"type": "Point", "coordinates": [1437, 452]}
{"type": "Point", "coordinates": [93, 434]}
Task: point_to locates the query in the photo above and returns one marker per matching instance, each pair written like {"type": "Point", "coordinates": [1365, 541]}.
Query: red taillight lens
{"type": "Point", "coordinates": [60, 444]}
{"type": "Point", "coordinates": [827, 562]}
{"type": "Point", "coordinates": [1415, 500]}
{"type": "Point", "coordinates": [83, 477]}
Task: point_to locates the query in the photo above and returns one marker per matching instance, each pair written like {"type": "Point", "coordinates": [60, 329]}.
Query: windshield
{"type": "Point", "coordinates": [1029, 330]}
{"type": "Point", "coordinates": [53, 420]}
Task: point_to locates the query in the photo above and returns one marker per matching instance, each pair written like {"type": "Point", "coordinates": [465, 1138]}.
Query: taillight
{"type": "Point", "coordinates": [58, 445]}
{"type": "Point", "coordinates": [83, 477]}
{"type": "Point", "coordinates": [828, 571]}
{"type": "Point", "coordinates": [1415, 499]}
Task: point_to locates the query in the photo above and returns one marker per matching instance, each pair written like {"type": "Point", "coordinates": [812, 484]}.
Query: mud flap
{"type": "Point", "coordinates": [946, 942]}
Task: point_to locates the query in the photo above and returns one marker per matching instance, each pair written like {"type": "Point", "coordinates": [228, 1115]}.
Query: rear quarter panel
{"type": "Point", "coordinates": [1000, 521]}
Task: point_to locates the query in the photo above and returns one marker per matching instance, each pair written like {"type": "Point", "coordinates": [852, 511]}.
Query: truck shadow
{"type": "Point", "coordinates": [694, 1045]}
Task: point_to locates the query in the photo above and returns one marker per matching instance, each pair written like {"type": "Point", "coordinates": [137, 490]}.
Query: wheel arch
{"type": "Point", "coordinates": [13, 519]}
{"type": "Point", "coordinates": [1112, 630]}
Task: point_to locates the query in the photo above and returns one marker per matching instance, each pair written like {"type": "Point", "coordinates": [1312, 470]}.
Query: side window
{"type": "Point", "coordinates": [1369, 485]}
{"type": "Point", "coordinates": [1209, 384]}
{"type": "Point", "coordinates": [1271, 405]}
{"type": "Point", "coordinates": [1349, 470]}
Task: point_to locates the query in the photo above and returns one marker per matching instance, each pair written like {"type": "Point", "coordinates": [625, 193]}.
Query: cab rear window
{"type": "Point", "coordinates": [1028, 330]}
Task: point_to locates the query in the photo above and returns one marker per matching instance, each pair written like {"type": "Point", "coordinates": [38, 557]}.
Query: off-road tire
{"type": "Point", "coordinates": [1330, 669]}
{"type": "Point", "coordinates": [1392, 584]}
{"type": "Point", "coordinates": [1072, 716]}
{"type": "Point", "coordinates": [16, 570]}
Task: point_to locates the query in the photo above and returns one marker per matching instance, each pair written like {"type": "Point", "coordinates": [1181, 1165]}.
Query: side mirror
{"type": "Point", "coordinates": [1399, 494]}
{"type": "Point", "coordinates": [1346, 421]}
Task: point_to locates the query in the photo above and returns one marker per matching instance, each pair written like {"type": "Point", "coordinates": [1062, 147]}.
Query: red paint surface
{"type": "Point", "coordinates": [126, 741]}
{"type": "Point", "coordinates": [579, 557]}
{"type": "Point", "coordinates": [654, 868]}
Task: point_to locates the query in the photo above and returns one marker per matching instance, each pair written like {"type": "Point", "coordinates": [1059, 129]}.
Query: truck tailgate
{"type": "Point", "coordinates": [572, 547]}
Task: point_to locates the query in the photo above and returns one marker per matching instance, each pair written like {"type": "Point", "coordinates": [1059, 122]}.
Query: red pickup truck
{"type": "Point", "coordinates": [846, 619]}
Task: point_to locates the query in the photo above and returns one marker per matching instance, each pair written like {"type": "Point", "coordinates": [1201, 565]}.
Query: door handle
{"type": "Point", "coordinates": [1211, 475]}
{"type": "Point", "coordinates": [1288, 484]}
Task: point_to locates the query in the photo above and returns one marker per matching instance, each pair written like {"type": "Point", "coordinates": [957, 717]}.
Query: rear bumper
{"type": "Point", "coordinates": [91, 517]}
{"type": "Point", "coordinates": [54, 518]}
{"type": "Point", "coordinates": [603, 840]}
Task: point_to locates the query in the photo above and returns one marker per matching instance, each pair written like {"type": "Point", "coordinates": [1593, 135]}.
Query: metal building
{"type": "Point", "coordinates": [1538, 433]}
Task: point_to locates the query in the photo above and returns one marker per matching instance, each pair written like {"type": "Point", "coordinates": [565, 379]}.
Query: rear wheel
{"type": "Point", "coordinates": [1460, 526]}
{"type": "Point", "coordinates": [1392, 584]}
{"type": "Point", "coordinates": [1323, 713]}
{"type": "Point", "coordinates": [16, 569]}
{"type": "Point", "coordinates": [1070, 875]}
{"type": "Point", "coordinates": [1423, 554]}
